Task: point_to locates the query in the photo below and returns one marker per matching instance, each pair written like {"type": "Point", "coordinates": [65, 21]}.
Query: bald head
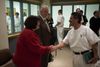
{"type": "Point", "coordinates": [44, 11]}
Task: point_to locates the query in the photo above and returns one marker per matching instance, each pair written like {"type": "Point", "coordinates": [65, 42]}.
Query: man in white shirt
{"type": "Point", "coordinates": [17, 22]}
{"type": "Point", "coordinates": [8, 20]}
{"type": "Point", "coordinates": [59, 26]}
{"type": "Point", "coordinates": [81, 39]}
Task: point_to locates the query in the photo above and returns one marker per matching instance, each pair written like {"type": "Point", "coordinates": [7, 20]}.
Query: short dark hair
{"type": "Point", "coordinates": [96, 11]}
{"type": "Point", "coordinates": [16, 13]}
{"type": "Point", "coordinates": [77, 15]}
{"type": "Point", "coordinates": [60, 11]}
{"type": "Point", "coordinates": [31, 22]}
{"type": "Point", "coordinates": [81, 11]}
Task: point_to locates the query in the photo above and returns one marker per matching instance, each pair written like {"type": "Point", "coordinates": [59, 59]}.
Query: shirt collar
{"type": "Point", "coordinates": [42, 17]}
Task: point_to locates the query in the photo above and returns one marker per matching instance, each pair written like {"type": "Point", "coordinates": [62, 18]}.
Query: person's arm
{"type": "Point", "coordinates": [58, 23]}
{"type": "Point", "coordinates": [61, 45]}
{"type": "Point", "coordinates": [93, 40]}
{"type": "Point", "coordinates": [95, 54]}
{"type": "Point", "coordinates": [63, 42]}
{"type": "Point", "coordinates": [34, 45]}
{"type": "Point", "coordinates": [94, 47]}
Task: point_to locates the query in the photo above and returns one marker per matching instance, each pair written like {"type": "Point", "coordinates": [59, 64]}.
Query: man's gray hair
{"type": "Point", "coordinates": [44, 6]}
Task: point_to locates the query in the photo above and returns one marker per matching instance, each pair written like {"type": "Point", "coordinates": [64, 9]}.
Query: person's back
{"type": "Point", "coordinates": [23, 53]}
{"type": "Point", "coordinates": [29, 50]}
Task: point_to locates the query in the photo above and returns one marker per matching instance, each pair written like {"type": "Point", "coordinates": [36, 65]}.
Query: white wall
{"type": "Point", "coordinates": [3, 27]}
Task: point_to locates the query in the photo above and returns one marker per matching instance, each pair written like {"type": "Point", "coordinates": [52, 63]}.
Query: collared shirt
{"type": "Point", "coordinates": [44, 19]}
{"type": "Point", "coordinates": [81, 39]}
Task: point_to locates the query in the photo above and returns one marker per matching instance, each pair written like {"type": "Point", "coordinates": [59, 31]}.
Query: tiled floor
{"type": "Point", "coordinates": [62, 59]}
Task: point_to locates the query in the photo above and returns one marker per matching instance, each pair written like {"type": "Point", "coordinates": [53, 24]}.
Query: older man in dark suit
{"type": "Point", "coordinates": [44, 33]}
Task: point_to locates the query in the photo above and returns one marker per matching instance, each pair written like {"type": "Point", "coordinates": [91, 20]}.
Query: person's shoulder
{"type": "Point", "coordinates": [72, 29]}
{"type": "Point", "coordinates": [27, 31]}
{"type": "Point", "coordinates": [92, 18]}
{"type": "Point", "coordinates": [84, 26]}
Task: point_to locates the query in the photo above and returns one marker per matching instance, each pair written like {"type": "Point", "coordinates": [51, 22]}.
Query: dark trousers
{"type": "Point", "coordinates": [44, 61]}
{"type": "Point", "coordinates": [54, 36]}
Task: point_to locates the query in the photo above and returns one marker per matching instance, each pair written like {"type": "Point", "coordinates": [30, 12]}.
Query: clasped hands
{"type": "Point", "coordinates": [53, 48]}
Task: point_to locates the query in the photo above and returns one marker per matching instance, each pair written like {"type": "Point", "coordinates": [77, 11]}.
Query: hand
{"type": "Point", "coordinates": [93, 60]}
{"type": "Point", "coordinates": [53, 48]}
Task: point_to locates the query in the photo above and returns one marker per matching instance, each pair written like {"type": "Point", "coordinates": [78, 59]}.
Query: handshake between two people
{"type": "Point", "coordinates": [55, 47]}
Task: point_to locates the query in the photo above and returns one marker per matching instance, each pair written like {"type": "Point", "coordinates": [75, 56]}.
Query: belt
{"type": "Point", "coordinates": [78, 53]}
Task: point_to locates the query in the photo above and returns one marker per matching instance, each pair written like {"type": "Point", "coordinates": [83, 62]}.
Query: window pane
{"type": "Point", "coordinates": [34, 9]}
{"type": "Point", "coordinates": [25, 10]}
{"type": "Point", "coordinates": [82, 7]}
{"type": "Point", "coordinates": [17, 16]}
{"type": "Point", "coordinates": [67, 10]}
{"type": "Point", "coordinates": [55, 13]}
{"type": "Point", "coordinates": [90, 9]}
{"type": "Point", "coordinates": [8, 17]}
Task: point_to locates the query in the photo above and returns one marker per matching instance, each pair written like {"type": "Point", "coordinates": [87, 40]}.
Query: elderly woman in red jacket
{"type": "Point", "coordinates": [29, 49]}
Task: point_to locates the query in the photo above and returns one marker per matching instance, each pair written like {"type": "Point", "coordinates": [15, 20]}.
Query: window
{"type": "Point", "coordinates": [82, 7]}
{"type": "Point", "coordinates": [90, 9]}
{"type": "Point", "coordinates": [34, 9]}
{"type": "Point", "coordinates": [8, 17]}
{"type": "Point", "coordinates": [16, 13]}
{"type": "Point", "coordinates": [25, 11]}
{"type": "Point", "coordinates": [55, 13]}
{"type": "Point", "coordinates": [17, 20]}
{"type": "Point", "coordinates": [67, 10]}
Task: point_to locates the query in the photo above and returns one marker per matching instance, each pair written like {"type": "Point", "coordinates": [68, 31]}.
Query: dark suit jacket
{"type": "Point", "coordinates": [85, 20]}
{"type": "Point", "coordinates": [44, 33]}
{"type": "Point", "coordinates": [29, 50]}
{"type": "Point", "coordinates": [95, 24]}
{"type": "Point", "coordinates": [53, 31]}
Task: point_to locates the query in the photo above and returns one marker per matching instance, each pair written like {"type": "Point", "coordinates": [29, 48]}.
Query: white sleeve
{"type": "Point", "coordinates": [62, 19]}
{"type": "Point", "coordinates": [66, 39]}
{"type": "Point", "coordinates": [91, 37]}
{"type": "Point", "coordinates": [58, 19]}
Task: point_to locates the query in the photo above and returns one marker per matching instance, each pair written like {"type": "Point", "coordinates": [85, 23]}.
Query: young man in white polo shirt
{"type": "Point", "coordinates": [81, 39]}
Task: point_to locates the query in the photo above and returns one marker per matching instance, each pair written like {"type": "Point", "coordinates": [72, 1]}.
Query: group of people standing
{"type": "Point", "coordinates": [17, 22]}
{"type": "Point", "coordinates": [94, 20]}
{"type": "Point", "coordinates": [36, 41]}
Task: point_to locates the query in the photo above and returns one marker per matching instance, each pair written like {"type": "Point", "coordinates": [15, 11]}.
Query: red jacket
{"type": "Point", "coordinates": [29, 50]}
